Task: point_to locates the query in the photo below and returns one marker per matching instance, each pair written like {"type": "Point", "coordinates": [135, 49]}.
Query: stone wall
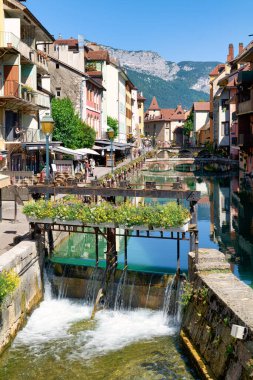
{"type": "Point", "coordinates": [217, 299]}
{"type": "Point", "coordinates": [25, 261]}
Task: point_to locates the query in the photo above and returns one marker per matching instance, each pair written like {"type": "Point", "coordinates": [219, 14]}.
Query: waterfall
{"type": "Point", "coordinates": [172, 305]}
{"type": "Point", "coordinates": [131, 293]}
{"type": "Point", "coordinates": [64, 284]}
{"type": "Point", "coordinates": [149, 287]}
{"type": "Point", "coordinates": [93, 285]}
{"type": "Point", "coordinates": [119, 298]}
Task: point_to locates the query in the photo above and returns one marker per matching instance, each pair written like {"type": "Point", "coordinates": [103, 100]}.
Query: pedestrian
{"type": "Point", "coordinates": [87, 169]}
{"type": "Point", "coordinates": [92, 166]}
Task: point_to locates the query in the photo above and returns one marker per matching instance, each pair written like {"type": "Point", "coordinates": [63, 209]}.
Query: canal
{"type": "Point", "coordinates": [60, 342]}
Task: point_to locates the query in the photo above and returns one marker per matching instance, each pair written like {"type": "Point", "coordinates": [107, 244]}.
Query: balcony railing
{"type": "Point", "coordinates": [42, 100]}
{"type": "Point", "coordinates": [9, 40]}
{"type": "Point", "coordinates": [13, 88]}
{"type": "Point", "coordinates": [245, 107]}
{"type": "Point", "coordinates": [25, 135]}
{"type": "Point", "coordinates": [245, 140]}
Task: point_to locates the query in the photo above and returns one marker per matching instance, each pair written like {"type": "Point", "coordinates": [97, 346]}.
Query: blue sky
{"type": "Point", "coordinates": [197, 30]}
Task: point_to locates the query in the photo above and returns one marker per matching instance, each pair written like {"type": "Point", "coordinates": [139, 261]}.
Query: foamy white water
{"type": "Point", "coordinates": [112, 330]}
{"type": "Point", "coordinates": [115, 330]}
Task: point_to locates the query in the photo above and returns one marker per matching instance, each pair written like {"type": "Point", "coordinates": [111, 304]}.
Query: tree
{"type": "Point", "coordinates": [114, 124]}
{"type": "Point", "coordinates": [69, 128]}
{"type": "Point", "coordinates": [188, 125]}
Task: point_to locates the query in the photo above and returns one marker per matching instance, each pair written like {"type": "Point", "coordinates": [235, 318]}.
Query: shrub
{"type": "Point", "coordinates": [9, 280]}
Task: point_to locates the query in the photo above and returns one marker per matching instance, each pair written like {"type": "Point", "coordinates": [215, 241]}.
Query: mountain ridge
{"type": "Point", "coordinates": [172, 83]}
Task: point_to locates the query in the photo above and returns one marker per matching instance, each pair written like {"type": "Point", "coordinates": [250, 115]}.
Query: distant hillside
{"type": "Point", "coordinates": [172, 83]}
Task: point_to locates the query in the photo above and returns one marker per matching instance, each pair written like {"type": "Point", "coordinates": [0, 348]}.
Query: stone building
{"type": "Point", "coordinates": [164, 126]}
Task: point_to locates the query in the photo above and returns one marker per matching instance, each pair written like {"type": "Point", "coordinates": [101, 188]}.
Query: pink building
{"type": "Point", "coordinates": [93, 105]}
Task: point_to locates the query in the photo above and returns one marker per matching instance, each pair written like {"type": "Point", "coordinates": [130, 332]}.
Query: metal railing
{"type": "Point", "coordinates": [13, 88]}
{"type": "Point", "coordinates": [9, 40]}
{"type": "Point", "coordinates": [25, 135]}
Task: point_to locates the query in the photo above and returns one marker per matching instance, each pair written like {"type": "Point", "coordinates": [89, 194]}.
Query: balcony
{"type": "Point", "coordinates": [245, 77]}
{"type": "Point", "coordinates": [12, 44]}
{"type": "Point", "coordinates": [18, 98]}
{"type": "Point", "coordinates": [245, 107]}
{"type": "Point", "coordinates": [245, 140]}
{"type": "Point", "coordinates": [25, 135]}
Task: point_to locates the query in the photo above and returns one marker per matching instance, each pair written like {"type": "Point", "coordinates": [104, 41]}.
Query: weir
{"type": "Point", "coordinates": [110, 234]}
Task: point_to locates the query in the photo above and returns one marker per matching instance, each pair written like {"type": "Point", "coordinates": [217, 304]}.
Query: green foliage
{"type": "Point", "coordinates": [188, 125]}
{"type": "Point", "coordinates": [127, 214]}
{"type": "Point", "coordinates": [187, 294]}
{"type": "Point", "coordinates": [114, 124]}
{"type": "Point", "coordinates": [229, 349]}
{"type": "Point", "coordinates": [9, 280]}
{"type": "Point", "coordinates": [69, 128]}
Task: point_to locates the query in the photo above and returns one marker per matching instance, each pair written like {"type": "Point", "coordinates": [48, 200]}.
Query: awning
{"type": "Point", "coordinates": [38, 145]}
{"type": "Point", "coordinates": [85, 151]}
{"type": "Point", "coordinates": [63, 150]}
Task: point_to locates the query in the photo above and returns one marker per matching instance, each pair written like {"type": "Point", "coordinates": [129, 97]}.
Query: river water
{"type": "Point", "coordinates": [59, 340]}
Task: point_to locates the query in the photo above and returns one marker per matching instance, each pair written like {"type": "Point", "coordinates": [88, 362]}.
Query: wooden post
{"type": "Point", "coordinates": [178, 253]}
{"type": "Point", "coordinates": [50, 240]}
{"type": "Point", "coordinates": [125, 245]}
{"type": "Point", "coordinates": [111, 255]}
{"type": "Point", "coordinates": [96, 237]}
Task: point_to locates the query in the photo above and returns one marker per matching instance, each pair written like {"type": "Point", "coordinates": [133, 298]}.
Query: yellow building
{"type": "Point", "coordinates": [141, 100]}
{"type": "Point", "coordinates": [129, 127]}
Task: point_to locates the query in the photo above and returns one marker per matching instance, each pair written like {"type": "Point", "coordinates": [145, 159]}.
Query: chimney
{"type": "Point", "coordinates": [230, 56]}
{"type": "Point", "coordinates": [240, 48]}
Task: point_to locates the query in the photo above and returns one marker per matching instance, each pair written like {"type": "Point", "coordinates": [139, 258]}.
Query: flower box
{"type": "Point", "coordinates": [69, 222]}
{"type": "Point", "coordinates": [42, 220]}
{"type": "Point", "coordinates": [182, 228]}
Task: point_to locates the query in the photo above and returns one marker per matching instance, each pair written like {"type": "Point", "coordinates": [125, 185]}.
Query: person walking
{"type": "Point", "coordinates": [87, 169]}
{"type": "Point", "coordinates": [92, 166]}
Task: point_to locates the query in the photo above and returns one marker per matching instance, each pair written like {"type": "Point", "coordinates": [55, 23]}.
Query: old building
{"type": "Point", "coordinates": [68, 79]}
{"type": "Point", "coordinates": [24, 93]}
{"type": "Point", "coordinates": [164, 125]}
{"type": "Point", "coordinates": [200, 121]}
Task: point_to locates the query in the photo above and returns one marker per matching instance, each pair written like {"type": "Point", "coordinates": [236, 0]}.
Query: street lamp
{"type": "Point", "coordinates": [110, 133]}
{"type": "Point", "coordinates": [47, 126]}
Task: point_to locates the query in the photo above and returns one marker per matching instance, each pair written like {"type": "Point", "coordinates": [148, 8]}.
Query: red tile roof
{"type": "Point", "coordinates": [167, 114]}
{"type": "Point", "coordinates": [201, 106]}
{"type": "Point", "coordinates": [154, 105]}
{"type": "Point", "coordinates": [141, 98]}
{"type": "Point", "coordinates": [217, 70]}
{"type": "Point", "coordinates": [98, 55]}
{"type": "Point", "coordinates": [71, 42]}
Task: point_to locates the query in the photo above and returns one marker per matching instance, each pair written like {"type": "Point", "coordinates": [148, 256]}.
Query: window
{"type": "Point", "coordinates": [58, 92]}
{"type": "Point", "coordinates": [225, 128]}
{"type": "Point", "coordinates": [224, 105]}
{"type": "Point", "coordinates": [57, 65]}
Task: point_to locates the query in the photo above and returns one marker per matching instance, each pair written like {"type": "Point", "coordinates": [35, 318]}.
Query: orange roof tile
{"type": "Point", "coordinates": [71, 42]}
{"type": "Point", "coordinates": [217, 70]}
{"type": "Point", "coordinates": [154, 105]}
{"type": "Point", "coordinates": [201, 106]}
{"type": "Point", "coordinates": [98, 55]}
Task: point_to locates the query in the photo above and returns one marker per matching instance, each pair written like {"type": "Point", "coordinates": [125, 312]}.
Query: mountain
{"type": "Point", "coordinates": [172, 83]}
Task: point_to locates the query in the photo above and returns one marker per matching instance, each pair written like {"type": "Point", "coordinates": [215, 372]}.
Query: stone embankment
{"type": "Point", "coordinates": [217, 300]}
{"type": "Point", "coordinates": [24, 259]}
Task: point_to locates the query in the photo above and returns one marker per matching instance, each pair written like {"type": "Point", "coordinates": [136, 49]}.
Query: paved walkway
{"type": "Point", "coordinates": [11, 231]}
{"type": "Point", "coordinates": [99, 171]}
